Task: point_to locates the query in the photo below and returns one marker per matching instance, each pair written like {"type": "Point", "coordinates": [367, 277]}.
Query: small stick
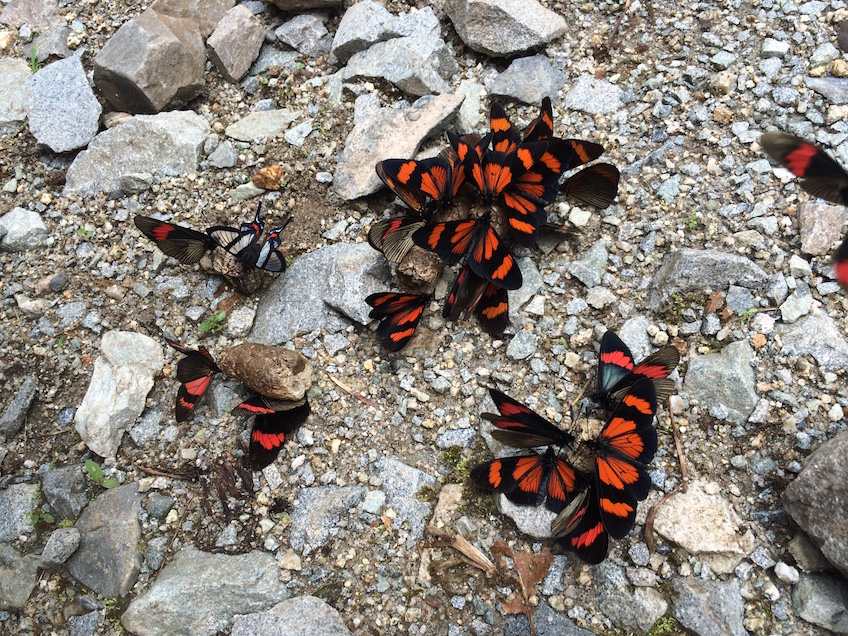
{"type": "Point", "coordinates": [459, 543]}
{"type": "Point", "coordinates": [355, 394]}
{"type": "Point", "coordinates": [684, 473]}
{"type": "Point", "coordinates": [618, 22]}
{"type": "Point", "coordinates": [582, 392]}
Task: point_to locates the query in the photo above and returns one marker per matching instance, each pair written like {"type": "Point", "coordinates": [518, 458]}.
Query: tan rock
{"type": "Point", "coordinates": [419, 270]}
{"type": "Point", "coordinates": [277, 373]}
{"type": "Point", "coordinates": [268, 177]}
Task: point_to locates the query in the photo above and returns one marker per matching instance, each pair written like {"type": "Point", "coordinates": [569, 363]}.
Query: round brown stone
{"type": "Point", "coordinates": [277, 373]}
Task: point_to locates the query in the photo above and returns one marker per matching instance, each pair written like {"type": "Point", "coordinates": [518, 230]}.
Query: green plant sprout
{"type": "Point", "coordinates": [96, 473]}
{"type": "Point", "coordinates": [214, 323]}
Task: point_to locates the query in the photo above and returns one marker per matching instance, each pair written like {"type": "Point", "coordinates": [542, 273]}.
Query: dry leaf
{"type": "Point", "coordinates": [459, 543]}
{"type": "Point", "coordinates": [725, 314]}
{"type": "Point", "coordinates": [514, 605]}
{"type": "Point", "coordinates": [386, 522]}
{"type": "Point", "coordinates": [758, 340]}
{"type": "Point", "coordinates": [268, 177]}
{"type": "Point", "coordinates": [227, 304]}
{"type": "Point", "coordinates": [714, 303]}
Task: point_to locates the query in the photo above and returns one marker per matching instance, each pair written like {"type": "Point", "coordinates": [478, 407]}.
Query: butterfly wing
{"type": "Point", "coordinates": [615, 362]}
{"type": "Point", "coordinates": [451, 240]}
{"type": "Point", "coordinates": [493, 310]}
{"type": "Point", "coordinates": [840, 261]}
{"type": "Point", "coordinates": [584, 152]}
{"type": "Point", "coordinates": [490, 259]}
{"type": "Point", "coordinates": [505, 138]}
{"type": "Point", "coordinates": [596, 185]}
{"type": "Point", "coordinates": [194, 372]}
{"type": "Point", "coordinates": [398, 314]}
{"type": "Point", "coordinates": [393, 237]}
{"type": "Point", "coordinates": [270, 257]}
{"type": "Point", "coordinates": [822, 176]}
{"type": "Point", "coordinates": [541, 128]}
{"type": "Point", "coordinates": [520, 427]}
{"type": "Point", "coordinates": [184, 244]}
{"type": "Point", "coordinates": [656, 367]}
{"type": "Point", "coordinates": [586, 535]}
{"type": "Point", "coordinates": [626, 444]}
{"type": "Point", "coordinates": [270, 430]}
{"type": "Point", "coordinates": [464, 295]}
{"type": "Point", "coordinates": [396, 174]}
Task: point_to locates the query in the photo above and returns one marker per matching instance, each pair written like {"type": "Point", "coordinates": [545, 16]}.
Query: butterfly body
{"type": "Point", "coordinates": [617, 371]}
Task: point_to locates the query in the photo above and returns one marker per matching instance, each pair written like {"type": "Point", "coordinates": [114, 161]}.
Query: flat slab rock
{"type": "Point", "coordinates": [299, 615]}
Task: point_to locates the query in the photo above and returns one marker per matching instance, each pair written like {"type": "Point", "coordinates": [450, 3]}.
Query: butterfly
{"type": "Point", "coordinates": [184, 244]}
{"type": "Point", "coordinates": [194, 372]}
{"type": "Point", "coordinates": [492, 310]}
{"type": "Point", "coordinates": [530, 480]}
{"type": "Point", "coordinates": [414, 181]}
{"type": "Point", "coordinates": [520, 427]}
{"type": "Point", "coordinates": [393, 237]}
{"type": "Point", "coordinates": [580, 528]}
{"type": "Point", "coordinates": [486, 254]}
{"type": "Point", "coordinates": [617, 371]}
{"type": "Point", "coordinates": [398, 314]}
{"type": "Point", "coordinates": [273, 421]}
{"type": "Point", "coordinates": [821, 176]}
{"type": "Point", "coordinates": [623, 448]}
{"type": "Point", "coordinates": [243, 243]}
{"type": "Point", "coordinates": [596, 185]}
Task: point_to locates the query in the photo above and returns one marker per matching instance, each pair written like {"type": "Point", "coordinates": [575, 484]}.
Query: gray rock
{"type": "Point", "coordinates": [35, 14]}
{"type": "Point", "coordinates": [689, 270]}
{"type": "Point", "coordinates": [270, 55]}
{"type": "Point", "coordinates": [504, 27]}
{"type": "Point", "coordinates": [167, 144]}
{"type": "Point", "coordinates": [833, 89]}
{"type": "Point", "coordinates": [317, 513]}
{"type": "Point", "coordinates": [235, 43]}
{"type": "Point", "coordinates": [528, 80]}
{"type": "Point", "coordinates": [159, 505]}
{"type": "Point", "coordinates": [631, 610]}
{"type": "Point", "coordinates": [774, 48]}
{"type": "Point", "coordinates": [22, 230]}
{"type": "Point", "coordinates": [16, 503]}
{"type": "Point", "coordinates": [821, 226]}
{"type": "Point", "coordinates": [13, 417]}
{"type": "Point", "coordinates": [387, 133]}
{"type": "Point", "coordinates": [108, 560]}
{"type": "Point", "coordinates": [374, 501]}
{"type": "Point", "coordinates": [818, 500]}
{"type": "Point", "coordinates": [265, 124]}
{"type": "Point", "coordinates": [199, 593]}
{"type": "Point", "coordinates": [297, 135]}
{"type": "Point", "coordinates": [51, 43]}
{"type": "Point", "coordinates": [594, 96]}
{"type": "Point", "coordinates": [469, 117]}
{"type": "Point", "coordinates": [299, 615]}
{"type": "Point", "coordinates": [87, 624]}
{"type": "Point", "coordinates": [61, 544]}
{"type": "Point", "coordinates": [224, 156]}
{"type": "Point", "coordinates": [307, 34]}
{"type": "Point", "coordinates": [340, 275]}
{"type": "Point", "coordinates": [122, 378]}
{"type": "Point", "coordinates": [418, 65]}
{"type": "Point", "coordinates": [708, 608]}
{"type": "Point", "coordinates": [135, 183]}
{"type": "Point", "coordinates": [522, 345]}
{"type": "Point", "coordinates": [822, 600]}
{"type": "Point", "coordinates": [634, 333]}
{"type": "Point", "coordinates": [530, 286]}
{"type": "Point", "coordinates": [547, 622]}
{"type": "Point", "coordinates": [363, 24]}
{"type": "Point", "coordinates": [777, 290]}
{"type": "Point", "coordinates": [14, 94]}
{"type": "Point", "coordinates": [799, 304]}
{"type": "Point", "coordinates": [203, 14]}
{"type": "Point", "coordinates": [62, 111]}
{"type": "Point", "coordinates": [18, 576]}
{"type": "Point", "coordinates": [590, 267]}
{"type": "Point", "coordinates": [462, 437]}
{"type": "Point", "coordinates": [401, 484]}
{"type": "Point", "coordinates": [298, 5]}
{"type": "Point", "coordinates": [66, 490]}
{"type": "Point", "coordinates": [152, 62]}
{"type": "Point", "coordinates": [723, 60]}
{"type": "Point", "coordinates": [817, 336]}
{"type": "Point", "coordinates": [706, 526]}
{"type": "Point", "coordinates": [740, 299]}
{"type": "Point", "coordinates": [725, 377]}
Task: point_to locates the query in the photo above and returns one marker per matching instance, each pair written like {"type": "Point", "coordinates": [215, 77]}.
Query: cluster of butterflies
{"type": "Point", "coordinates": [822, 177]}
{"type": "Point", "coordinates": [515, 178]}
{"type": "Point", "coordinates": [590, 508]}
{"type": "Point", "coordinates": [273, 419]}
{"type": "Point", "coordinates": [188, 246]}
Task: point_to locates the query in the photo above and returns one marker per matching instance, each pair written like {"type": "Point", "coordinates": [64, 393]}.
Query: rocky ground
{"type": "Point", "coordinates": [115, 518]}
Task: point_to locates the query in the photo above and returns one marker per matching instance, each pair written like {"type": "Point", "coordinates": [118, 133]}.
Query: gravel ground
{"type": "Point", "coordinates": [698, 89]}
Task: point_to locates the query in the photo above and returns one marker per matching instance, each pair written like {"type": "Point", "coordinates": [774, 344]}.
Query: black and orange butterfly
{"type": "Point", "coordinates": [487, 256]}
{"type": "Point", "coordinates": [623, 448]}
{"type": "Point", "coordinates": [398, 315]}
{"type": "Point", "coordinates": [194, 373]}
{"type": "Point", "coordinates": [243, 243]}
{"type": "Point", "coordinates": [184, 244]}
{"type": "Point", "coordinates": [530, 480]}
{"type": "Point", "coordinates": [821, 176]}
{"type": "Point", "coordinates": [580, 527]}
{"type": "Point", "coordinates": [415, 180]}
{"type": "Point", "coordinates": [617, 371]}
{"type": "Point", "coordinates": [471, 293]}
{"type": "Point", "coordinates": [492, 310]}
{"type": "Point", "coordinates": [393, 237]}
{"type": "Point", "coordinates": [520, 427]}
{"type": "Point", "coordinates": [274, 420]}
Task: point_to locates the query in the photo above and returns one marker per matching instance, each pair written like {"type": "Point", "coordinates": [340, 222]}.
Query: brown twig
{"type": "Point", "coordinates": [355, 394]}
{"type": "Point", "coordinates": [684, 473]}
{"type": "Point", "coordinates": [472, 555]}
{"type": "Point", "coordinates": [582, 392]}
{"type": "Point", "coordinates": [617, 26]}
{"type": "Point", "coordinates": [176, 532]}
